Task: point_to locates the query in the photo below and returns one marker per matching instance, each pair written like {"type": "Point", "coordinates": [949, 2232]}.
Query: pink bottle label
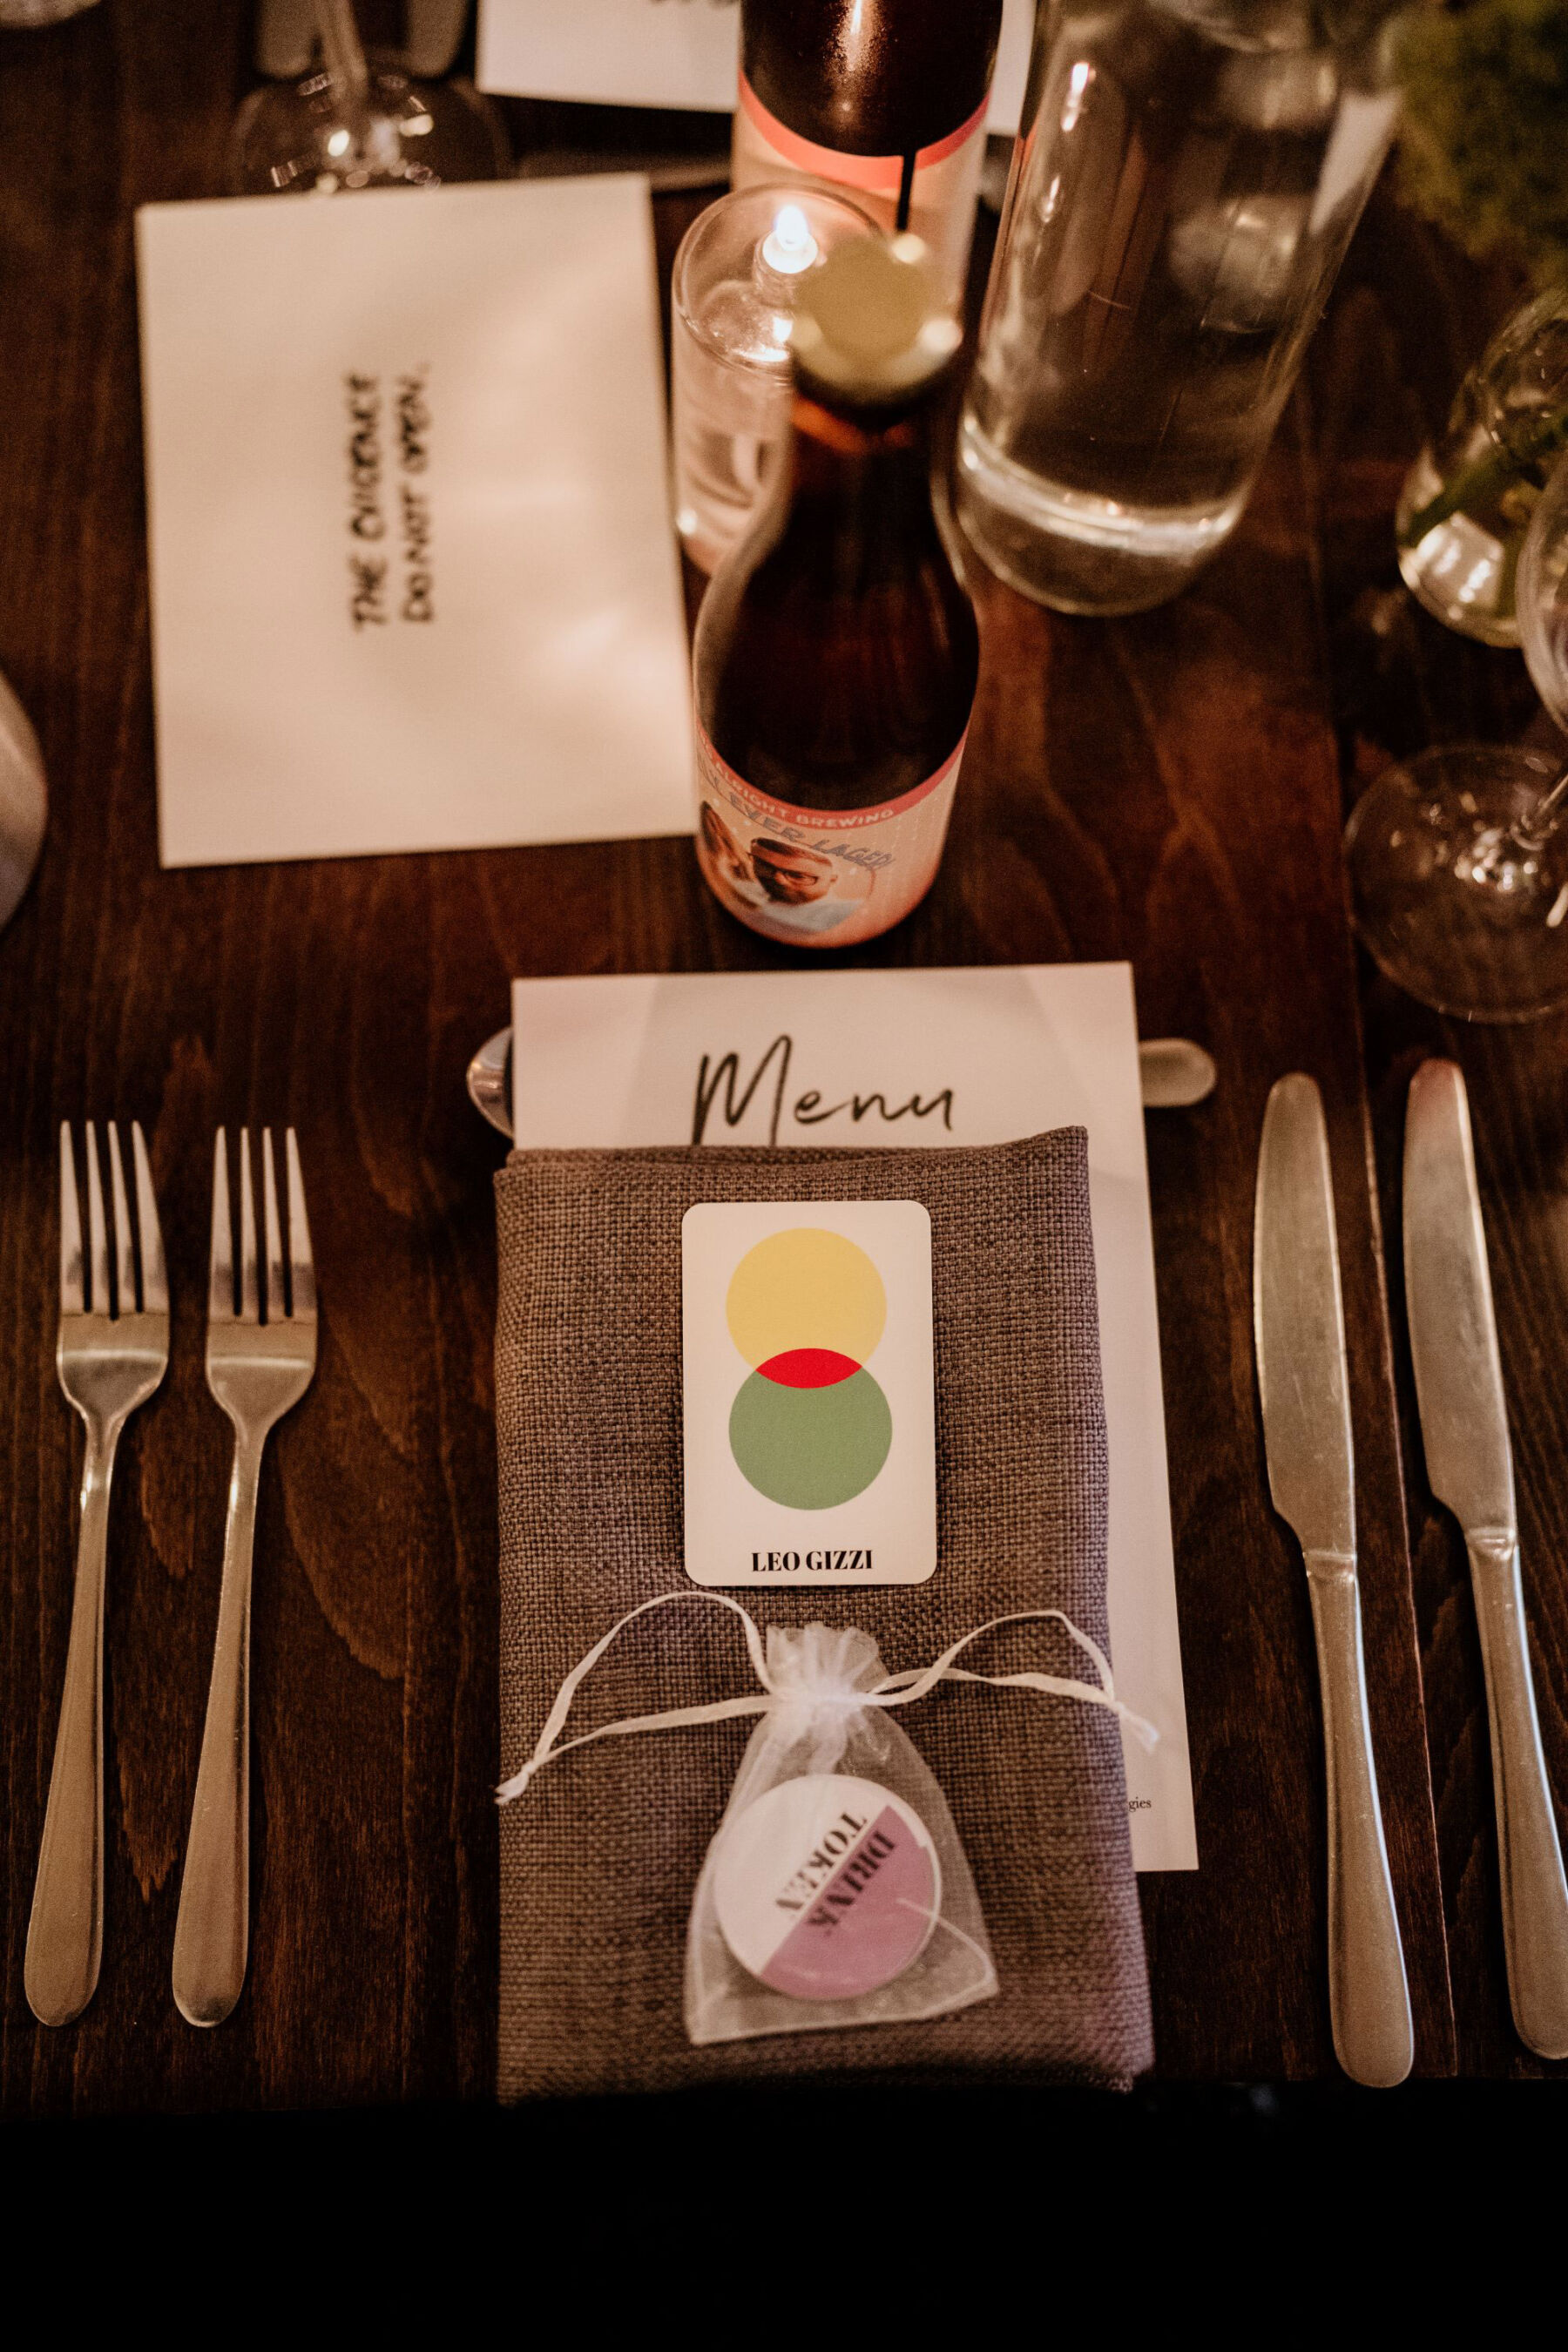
{"type": "Point", "coordinates": [816, 878]}
{"type": "Point", "coordinates": [941, 193]}
{"type": "Point", "coordinates": [876, 174]}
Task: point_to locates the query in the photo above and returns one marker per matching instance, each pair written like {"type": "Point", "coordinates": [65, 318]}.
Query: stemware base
{"type": "Point", "coordinates": [297, 137]}
{"type": "Point", "coordinates": [1454, 898]}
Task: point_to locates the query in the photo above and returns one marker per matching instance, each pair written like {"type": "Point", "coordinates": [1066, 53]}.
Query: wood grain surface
{"type": "Point", "coordinates": [1165, 788]}
{"type": "Point", "coordinates": [1407, 318]}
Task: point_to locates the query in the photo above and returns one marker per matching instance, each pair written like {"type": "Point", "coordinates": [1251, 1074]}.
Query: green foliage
{"type": "Point", "coordinates": [1486, 125]}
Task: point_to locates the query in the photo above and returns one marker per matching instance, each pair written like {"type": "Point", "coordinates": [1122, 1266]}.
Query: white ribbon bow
{"type": "Point", "coordinates": [897, 1690]}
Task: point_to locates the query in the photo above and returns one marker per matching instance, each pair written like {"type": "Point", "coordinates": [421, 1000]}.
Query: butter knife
{"type": "Point", "coordinates": [1299, 1320]}
{"type": "Point", "coordinates": [1470, 1466]}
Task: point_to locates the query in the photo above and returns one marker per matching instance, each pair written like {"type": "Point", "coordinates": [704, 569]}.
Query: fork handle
{"type": "Point", "coordinates": [212, 1935]}
{"type": "Point", "coordinates": [64, 1934]}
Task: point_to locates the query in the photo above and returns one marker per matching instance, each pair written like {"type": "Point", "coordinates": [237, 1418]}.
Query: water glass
{"type": "Point", "coordinates": [1188, 176]}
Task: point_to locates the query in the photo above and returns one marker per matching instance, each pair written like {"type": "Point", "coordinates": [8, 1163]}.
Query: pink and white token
{"type": "Point", "coordinates": [827, 1886]}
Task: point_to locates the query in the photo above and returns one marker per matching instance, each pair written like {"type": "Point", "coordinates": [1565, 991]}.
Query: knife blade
{"type": "Point", "coordinates": [1298, 1321]}
{"type": "Point", "coordinates": [1469, 1467]}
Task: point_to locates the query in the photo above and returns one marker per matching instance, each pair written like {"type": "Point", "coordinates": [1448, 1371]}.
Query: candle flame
{"type": "Point", "coordinates": [790, 247]}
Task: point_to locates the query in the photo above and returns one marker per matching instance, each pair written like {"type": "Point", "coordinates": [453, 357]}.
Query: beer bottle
{"type": "Point", "coordinates": [836, 652]}
{"type": "Point", "coordinates": [887, 98]}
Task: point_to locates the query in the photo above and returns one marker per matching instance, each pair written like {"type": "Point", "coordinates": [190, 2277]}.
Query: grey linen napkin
{"type": "Point", "coordinates": [600, 1855]}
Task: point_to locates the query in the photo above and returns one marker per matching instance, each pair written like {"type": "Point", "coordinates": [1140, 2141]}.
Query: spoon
{"type": "Point", "coordinates": [24, 801]}
{"type": "Point", "coordinates": [1174, 1074]}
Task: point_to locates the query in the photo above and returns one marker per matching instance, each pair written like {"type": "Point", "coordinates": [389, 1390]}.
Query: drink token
{"type": "Point", "coordinates": [827, 1886]}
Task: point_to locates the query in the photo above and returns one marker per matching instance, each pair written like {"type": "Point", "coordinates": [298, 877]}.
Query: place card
{"type": "Point", "coordinates": [415, 584]}
{"type": "Point", "coordinates": [810, 1425]}
{"type": "Point", "coordinates": [912, 1057]}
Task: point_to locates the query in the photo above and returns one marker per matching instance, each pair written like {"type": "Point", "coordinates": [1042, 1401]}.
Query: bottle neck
{"type": "Point", "coordinates": [861, 480]}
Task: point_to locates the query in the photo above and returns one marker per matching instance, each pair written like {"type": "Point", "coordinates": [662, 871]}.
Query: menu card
{"type": "Point", "coordinates": [414, 580]}
{"type": "Point", "coordinates": [677, 53]}
{"type": "Point", "coordinates": [906, 1058]}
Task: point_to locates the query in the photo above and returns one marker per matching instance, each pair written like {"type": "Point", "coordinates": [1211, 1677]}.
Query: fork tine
{"type": "Point", "coordinates": [124, 1247]}
{"type": "Point", "coordinates": [220, 1276]}
{"type": "Point", "coordinates": [249, 1289]}
{"type": "Point", "coordinates": [154, 1269]}
{"type": "Point", "coordinates": [277, 1297]}
{"type": "Point", "coordinates": [73, 1296]}
{"type": "Point", "coordinates": [96, 1233]}
{"type": "Point", "coordinates": [301, 1265]}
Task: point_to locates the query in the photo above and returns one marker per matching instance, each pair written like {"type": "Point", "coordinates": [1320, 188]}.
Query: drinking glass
{"type": "Point", "coordinates": [1188, 176]}
{"type": "Point", "coordinates": [358, 122]}
{"type": "Point", "coordinates": [1466, 502]}
{"type": "Point", "coordinates": [736, 276]}
{"type": "Point", "coordinates": [1458, 861]}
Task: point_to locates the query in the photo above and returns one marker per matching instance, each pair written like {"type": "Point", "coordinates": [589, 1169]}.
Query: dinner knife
{"type": "Point", "coordinates": [1299, 1320]}
{"type": "Point", "coordinates": [1470, 1466]}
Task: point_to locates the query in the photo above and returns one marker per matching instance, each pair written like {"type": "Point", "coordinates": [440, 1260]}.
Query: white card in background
{"type": "Point", "coordinates": [934, 1057]}
{"type": "Point", "coordinates": [676, 53]}
{"type": "Point", "coordinates": [809, 1412]}
{"type": "Point", "coordinates": [414, 582]}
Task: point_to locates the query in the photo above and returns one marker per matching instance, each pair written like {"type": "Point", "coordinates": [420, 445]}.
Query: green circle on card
{"type": "Point", "coordinates": [810, 1448]}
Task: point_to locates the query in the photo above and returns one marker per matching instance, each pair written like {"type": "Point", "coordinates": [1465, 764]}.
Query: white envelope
{"type": "Point", "coordinates": [518, 670]}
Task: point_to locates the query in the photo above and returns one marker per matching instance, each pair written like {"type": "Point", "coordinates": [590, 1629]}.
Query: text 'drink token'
{"type": "Point", "coordinates": [829, 1886]}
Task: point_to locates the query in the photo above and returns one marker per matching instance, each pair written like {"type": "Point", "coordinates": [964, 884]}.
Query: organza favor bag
{"type": "Point", "coordinates": [835, 1891]}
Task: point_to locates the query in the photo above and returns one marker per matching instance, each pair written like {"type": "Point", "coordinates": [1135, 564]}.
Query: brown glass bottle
{"type": "Point", "coordinates": [836, 655]}
{"type": "Point", "coordinates": [884, 97]}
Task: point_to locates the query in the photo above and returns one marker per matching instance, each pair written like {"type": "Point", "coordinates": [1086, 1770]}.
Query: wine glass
{"type": "Point", "coordinates": [356, 122]}
{"type": "Point", "coordinates": [1458, 860]}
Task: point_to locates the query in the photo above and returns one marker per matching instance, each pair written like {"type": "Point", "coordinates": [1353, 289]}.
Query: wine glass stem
{"type": "Point", "coordinates": [344, 53]}
{"type": "Point", "coordinates": [1548, 813]}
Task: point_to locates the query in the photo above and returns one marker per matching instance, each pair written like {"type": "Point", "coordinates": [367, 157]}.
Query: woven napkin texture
{"type": "Point", "coordinates": [600, 1855]}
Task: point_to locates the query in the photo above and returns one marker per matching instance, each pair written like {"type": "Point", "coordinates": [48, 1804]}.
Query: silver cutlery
{"type": "Point", "coordinates": [1174, 1074]}
{"type": "Point", "coordinates": [1469, 1467]}
{"type": "Point", "coordinates": [261, 1354]}
{"type": "Point", "coordinates": [112, 1351]}
{"type": "Point", "coordinates": [1299, 1318]}
{"type": "Point", "coordinates": [24, 801]}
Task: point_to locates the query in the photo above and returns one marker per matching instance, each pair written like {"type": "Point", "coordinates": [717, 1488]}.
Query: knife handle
{"type": "Point", "coordinates": [1529, 1857]}
{"type": "Point", "coordinates": [1369, 2000]}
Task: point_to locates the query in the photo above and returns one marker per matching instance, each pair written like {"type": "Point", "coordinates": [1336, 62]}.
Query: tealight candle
{"type": "Point", "coordinates": [826, 1888]}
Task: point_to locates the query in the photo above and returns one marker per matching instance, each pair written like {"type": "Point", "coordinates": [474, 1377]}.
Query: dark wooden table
{"type": "Point", "coordinates": [1167, 789]}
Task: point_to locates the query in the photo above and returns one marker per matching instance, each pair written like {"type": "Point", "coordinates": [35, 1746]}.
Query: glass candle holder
{"type": "Point", "coordinates": [736, 276]}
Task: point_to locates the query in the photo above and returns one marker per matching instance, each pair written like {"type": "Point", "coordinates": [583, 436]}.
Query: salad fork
{"type": "Point", "coordinates": [261, 1354]}
{"type": "Point", "coordinates": [112, 1351]}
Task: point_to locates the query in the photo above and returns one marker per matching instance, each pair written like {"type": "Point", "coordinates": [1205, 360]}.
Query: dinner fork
{"type": "Point", "coordinates": [112, 1351]}
{"type": "Point", "coordinates": [256, 1368]}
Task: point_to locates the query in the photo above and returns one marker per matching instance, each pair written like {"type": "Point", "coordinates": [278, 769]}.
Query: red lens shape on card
{"type": "Point", "coordinates": [808, 1367]}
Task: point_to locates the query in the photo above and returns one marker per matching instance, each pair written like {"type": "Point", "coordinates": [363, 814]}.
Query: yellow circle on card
{"type": "Point", "coordinates": [805, 1288]}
